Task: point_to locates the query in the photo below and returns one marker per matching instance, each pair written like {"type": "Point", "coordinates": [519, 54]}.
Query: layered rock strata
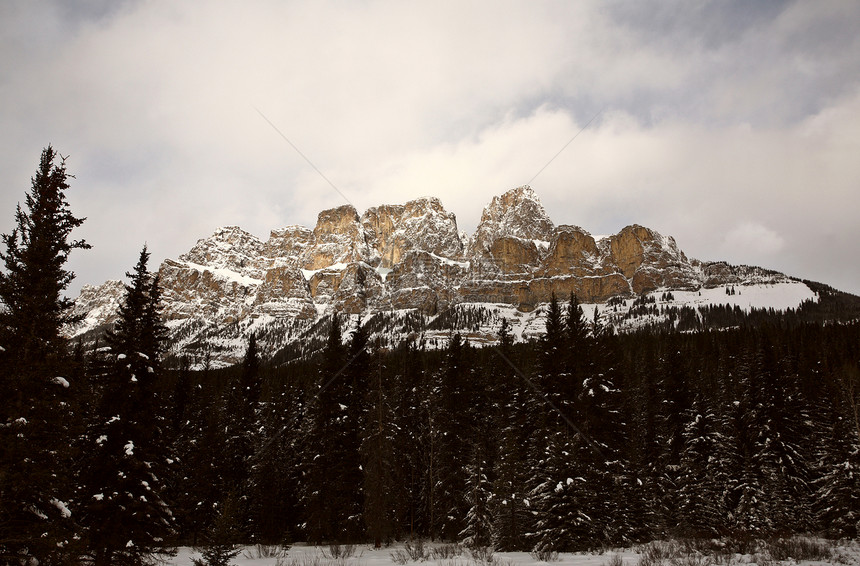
{"type": "Point", "coordinates": [411, 256]}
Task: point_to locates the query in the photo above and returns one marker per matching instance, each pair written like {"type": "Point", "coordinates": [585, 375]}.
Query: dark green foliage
{"type": "Point", "coordinates": [123, 489]}
{"type": "Point", "coordinates": [37, 384]}
{"type": "Point", "coordinates": [221, 540]}
{"type": "Point", "coordinates": [332, 439]}
{"type": "Point", "coordinates": [378, 451]}
{"type": "Point", "coordinates": [480, 439]}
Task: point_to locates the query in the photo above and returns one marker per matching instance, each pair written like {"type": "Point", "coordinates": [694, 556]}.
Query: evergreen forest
{"type": "Point", "coordinates": [580, 440]}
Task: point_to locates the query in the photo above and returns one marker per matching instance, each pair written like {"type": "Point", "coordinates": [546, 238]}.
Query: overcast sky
{"type": "Point", "coordinates": [732, 126]}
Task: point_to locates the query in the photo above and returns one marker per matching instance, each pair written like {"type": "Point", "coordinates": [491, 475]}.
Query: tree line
{"type": "Point", "coordinates": [579, 440]}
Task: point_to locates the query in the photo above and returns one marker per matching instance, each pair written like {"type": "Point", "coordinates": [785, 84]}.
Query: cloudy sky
{"type": "Point", "coordinates": [732, 126]}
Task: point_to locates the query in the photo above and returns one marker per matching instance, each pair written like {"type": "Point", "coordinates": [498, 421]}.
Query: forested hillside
{"type": "Point", "coordinates": [577, 440]}
{"type": "Point", "coordinates": [573, 442]}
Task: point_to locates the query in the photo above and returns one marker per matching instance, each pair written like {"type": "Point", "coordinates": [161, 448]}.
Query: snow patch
{"type": "Point", "coordinates": [226, 274]}
{"type": "Point", "coordinates": [64, 510]}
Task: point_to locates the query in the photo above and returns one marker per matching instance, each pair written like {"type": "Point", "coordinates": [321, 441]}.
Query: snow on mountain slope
{"type": "Point", "coordinates": [412, 258]}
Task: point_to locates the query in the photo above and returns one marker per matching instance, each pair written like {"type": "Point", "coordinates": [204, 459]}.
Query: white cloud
{"type": "Point", "coordinates": [753, 237]}
{"type": "Point", "coordinates": [713, 117]}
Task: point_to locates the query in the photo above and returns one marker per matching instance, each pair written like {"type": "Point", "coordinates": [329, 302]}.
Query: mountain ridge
{"type": "Point", "coordinates": [412, 257]}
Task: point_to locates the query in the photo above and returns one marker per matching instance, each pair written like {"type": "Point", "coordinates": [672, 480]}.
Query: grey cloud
{"type": "Point", "coordinates": [718, 115]}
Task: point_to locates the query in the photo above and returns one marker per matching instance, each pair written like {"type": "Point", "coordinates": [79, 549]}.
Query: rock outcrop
{"type": "Point", "coordinates": [412, 257]}
{"type": "Point", "coordinates": [518, 213]}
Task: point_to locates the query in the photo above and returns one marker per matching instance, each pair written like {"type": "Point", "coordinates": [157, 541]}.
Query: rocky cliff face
{"type": "Point", "coordinates": [516, 214]}
{"type": "Point", "coordinates": [412, 257]}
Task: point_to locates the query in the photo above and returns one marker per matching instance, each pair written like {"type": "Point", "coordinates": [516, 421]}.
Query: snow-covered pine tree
{"type": "Point", "coordinates": [241, 428]}
{"type": "Point", "coordinates": [838, 487]}
{"type": "Point", "coordinates": [449, 500]}
{"type": "Point", "coordinates": [745, 496]}
{"type": "Point", "coordinates": [511, 518]}
{"type": "Point", "coordinates": [127, 463]}
{"type": "Point", "coordinates": [782, 440]}
{"type": "Point", "coordinates": [331, 476]}
{"type": "Point", "coordinates": [274, 466]}
{"type": "Point", "coordinates": [555, 496]}
{"type": "Point", "coordinates": [701, 478]}
{"type": "Point", "coordinates": [478, 532]}
{"type": "Point", "coordinates": [198, 486]}
{"type": "Point", "coordinates": [36, 416]}
{"type": "Point", "coordinates": [671, 421]}
{"type": "Point", "coordinates": [579, 498]}
{"type": "Point", "coordinates": [355, 384]}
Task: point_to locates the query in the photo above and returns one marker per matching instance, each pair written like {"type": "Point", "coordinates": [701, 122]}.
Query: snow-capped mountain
{"type": "Point", "coordinates": [409, 260]}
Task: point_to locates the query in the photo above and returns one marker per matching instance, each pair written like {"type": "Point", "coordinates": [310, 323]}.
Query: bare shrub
{"type": "Point", "coordinates": [841, 556]}
{"type": "Point", "coordinates": [741, 544]}
{"type": "Point", "coordinates": [544, 555]}
{"type": "Point", "coordinates": [416, 550]}
{"type": "Point", "coordinates": [400, 557]}
{"type": "Point", "coordinates": [614, 560]}
{"type": "Point", "coordinates": [659, 553]}
{"type": "Point", "coordinates": [482, 555]}
{"type": "Point", "coordinates": [301, 560]}
{"type": "Point", "coordinates": [693, 559]}
{"type": "Point", "coordinates": [339, 551]}
{"type": "Point", "coordinates": [799, 548]}
{"type": "Point", "coordinates": [261, 551]}
{"type": "Point", "coordinates": [673, 553]}
{"type": "Point", "coordinates": [446, 551]}
{"type": "Point", "coordinates": [763, 559]}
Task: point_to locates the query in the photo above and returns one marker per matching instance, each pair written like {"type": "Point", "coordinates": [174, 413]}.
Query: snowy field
{"type": "Point", "coordinates": [843, 553]}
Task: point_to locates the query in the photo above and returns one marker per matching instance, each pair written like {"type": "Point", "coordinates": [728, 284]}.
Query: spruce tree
{"type": "Point", "coordinates": [577, 494]}
{"type": "Point", "coordinates": [240, 425]}
{"type": "Point", "coordinates": [478, 532]}
{"type": "Point", "coordinates": [128, 459]}
{"type": "Point", "coordinates": [35, 414]}
{"type": "Point", "coordinates": [332, 480]}
{"type": "Point", "coordinates": [510, 485]}
{"type": "Point", "coordinates": [454, 432]}
{"type": "Point", "coordinates": [701, 478]}
{"type": "Point", "coordinates": [378, 456]}
{"type": "Point", "coordinates": [838, 486]}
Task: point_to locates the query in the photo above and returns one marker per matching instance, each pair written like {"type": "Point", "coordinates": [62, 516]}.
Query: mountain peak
{"type": "Point", "coordinates": [517, 213]}
{"type": "Point", "coordinates": [411, 257]}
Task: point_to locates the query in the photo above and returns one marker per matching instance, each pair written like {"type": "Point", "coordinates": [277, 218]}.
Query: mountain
{"type": "Point", "coordinates": [408, 268]}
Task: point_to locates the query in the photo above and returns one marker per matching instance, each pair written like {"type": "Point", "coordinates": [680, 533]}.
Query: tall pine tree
{"type": "Point", "coordinates": [128, 459]}
{"type": "Point", "coordinates": [35, 414]}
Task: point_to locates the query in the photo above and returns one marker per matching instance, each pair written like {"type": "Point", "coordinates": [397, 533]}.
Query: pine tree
{"type": "Point", "coordinates": [274, 469]}
{"type": "Point", "coordinates": [378, 456]}
{"type": "Point", "coordinates": [221, 546]}
{"type": "Point", "coordinates": [478, 532]}
{"type": "Point", "coordinates": [35, 417]}
{"type": "Point", "coordinates": [510, 485]}
{"type": "Point", "coordinates": [782, 452]}
{"type": "Point", "coordinates": [332, 480]}
{"type": "Point", "coordinates": [577, 493]}
{"type": "Point", "coordinates": [671, 422]}
{"type": "Point", "coordinates": [240, 425]}
{"type": "Point", "coordinates": [128, 459]}
{"type": "Point", "coordinates": [701, 479]}
{"type": "Point", "coordinates": [838, 486]}
{"type": "Point", "coordinates": [454, 406]}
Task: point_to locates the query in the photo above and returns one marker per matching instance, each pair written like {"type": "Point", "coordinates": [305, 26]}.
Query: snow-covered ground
{"type": "Point", "coordinates": [368, 556]}
{"type": "Point", "coordinates": [844, 553]}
